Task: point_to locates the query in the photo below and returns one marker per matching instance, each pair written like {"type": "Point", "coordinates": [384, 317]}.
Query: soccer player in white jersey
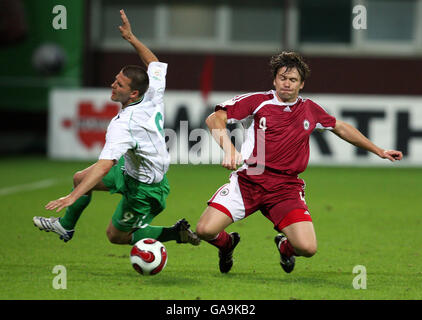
{"type": "Point", "coordinates": [278, 125]}
{"type": "Point", "coordinates": [133, 162]}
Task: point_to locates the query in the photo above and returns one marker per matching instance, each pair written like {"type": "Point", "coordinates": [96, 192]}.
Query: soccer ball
{"type": "Point", "coordinates": [148, 256]}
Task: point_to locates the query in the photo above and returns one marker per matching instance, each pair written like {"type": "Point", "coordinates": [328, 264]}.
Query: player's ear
{"type": "Point", "coordinates": [302, 85]}
{"type": "Point", "coordinates": [134, 94]}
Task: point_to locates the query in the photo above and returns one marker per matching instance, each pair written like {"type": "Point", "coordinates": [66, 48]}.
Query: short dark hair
{"type": "Point", "coordinates": [138, 76]}
{"type": "Point", "coordinates": [289, 60]}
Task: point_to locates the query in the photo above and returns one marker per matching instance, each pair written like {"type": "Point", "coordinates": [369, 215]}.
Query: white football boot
{"type": "Point", "coordinates": [53, 224]}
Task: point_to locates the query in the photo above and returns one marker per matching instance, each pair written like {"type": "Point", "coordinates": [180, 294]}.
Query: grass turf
{"type": "Point", "coordinates": [362, 216]}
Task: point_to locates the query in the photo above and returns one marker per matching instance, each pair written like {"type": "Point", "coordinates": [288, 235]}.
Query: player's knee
{"type": "Point", "coordinates": [77, 178]}
{"type": "Point", "coordinates": [307, 249]}
{"type": "Point", "coordinates": [110, 236]}
{"type": "Point", "coordinates": [113, 237]}
{"type": "Point", "coordinates": [205, 232]}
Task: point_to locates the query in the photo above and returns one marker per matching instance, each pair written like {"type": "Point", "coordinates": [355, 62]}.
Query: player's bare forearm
{"type": "Point", "coordinates": [352, 135]}
{"type": "Point", "coordinates": [355, 137]}
{"type": "Point", "coordinates": [94, 176]}
{"type": "Point", "coordinates": [146, 55]}
{"type": "Point", "coordinates": [216, 123]}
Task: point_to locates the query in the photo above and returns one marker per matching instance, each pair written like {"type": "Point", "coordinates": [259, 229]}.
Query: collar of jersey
{"type": "Point", "coordinates": [135, 102]}
{"type": "Point", "coordinates": [283, 103]}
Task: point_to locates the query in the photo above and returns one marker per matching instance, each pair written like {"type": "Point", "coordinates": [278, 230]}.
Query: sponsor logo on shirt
{"type": "Point", "coordinates": [156, 74]}
{"type": "Point", "coordinates": [306, 124]}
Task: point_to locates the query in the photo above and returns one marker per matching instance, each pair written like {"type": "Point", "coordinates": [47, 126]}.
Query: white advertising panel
{"type": "Point", "coordinates": [78, 120]}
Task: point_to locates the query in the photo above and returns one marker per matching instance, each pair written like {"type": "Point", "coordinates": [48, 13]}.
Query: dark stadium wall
{"type": "Point", "coordinates": [40, 48]}
{"type": "Point", "coordinates": [42, 55]}
{"type": "Point", "coordinates": [243, 73]}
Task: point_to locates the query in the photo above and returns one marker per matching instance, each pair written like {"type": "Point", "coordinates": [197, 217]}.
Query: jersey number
{"type": "Point", "coordinates": [263, 123]}
{"type": "Point", "coordinates": [159, 123]}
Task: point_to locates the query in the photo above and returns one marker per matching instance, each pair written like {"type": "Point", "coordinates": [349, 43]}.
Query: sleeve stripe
{"type": "Point", "coordinates": [232, 101]}
{"type": "Point", "coordinates": [319, 126]}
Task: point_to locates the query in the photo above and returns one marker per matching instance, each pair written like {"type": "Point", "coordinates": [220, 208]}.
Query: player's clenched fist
{"type": "Point", "coordinates": [231, 161]}
{"type": "Point", "coordinates": [392, 155]}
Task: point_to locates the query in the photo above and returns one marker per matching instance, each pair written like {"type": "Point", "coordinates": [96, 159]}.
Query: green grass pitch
{"type": "Point", "coordinates": [362, 216]}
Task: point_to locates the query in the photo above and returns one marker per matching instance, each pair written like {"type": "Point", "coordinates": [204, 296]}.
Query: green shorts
{"type": "Point", "coordinates": [140, 202]}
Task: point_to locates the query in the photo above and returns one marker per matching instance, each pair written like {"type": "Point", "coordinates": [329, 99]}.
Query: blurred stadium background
{"type": "Point", "coordinates": [212, 47]}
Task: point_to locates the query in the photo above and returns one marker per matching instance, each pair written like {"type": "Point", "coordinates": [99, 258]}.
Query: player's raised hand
{"type": "Point", "coordinates": [60, 203]}
{"type": "Point", "coordinates": [125, 29]}
{"type": "Point", "coordinates": [392, 155]}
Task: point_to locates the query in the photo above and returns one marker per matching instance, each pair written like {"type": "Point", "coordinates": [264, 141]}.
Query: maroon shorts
{"type": "Point", "coordinates": [240, 198]}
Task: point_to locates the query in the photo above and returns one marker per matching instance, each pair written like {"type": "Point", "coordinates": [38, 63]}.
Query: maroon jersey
{"type": "Point", "coordinates": [277, 134]}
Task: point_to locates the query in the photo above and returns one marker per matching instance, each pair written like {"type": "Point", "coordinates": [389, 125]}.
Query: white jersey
{"type": "Point", "coordinates": [137, 132]}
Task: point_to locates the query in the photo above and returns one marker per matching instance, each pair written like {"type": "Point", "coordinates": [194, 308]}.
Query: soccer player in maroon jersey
{"type": "Point", "coordinates": [278, 124]}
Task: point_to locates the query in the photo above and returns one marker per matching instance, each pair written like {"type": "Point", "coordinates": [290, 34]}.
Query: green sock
{"type": "Point", "coordinates": [162, 234]}
{"type": "Point", "coordinates": [74, 212]}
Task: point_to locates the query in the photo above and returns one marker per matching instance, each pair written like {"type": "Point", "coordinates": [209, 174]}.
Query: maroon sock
{"type": "Point", "coordinates": [287, 249]}
{"type": "Point", "coordinates": [223, 241]}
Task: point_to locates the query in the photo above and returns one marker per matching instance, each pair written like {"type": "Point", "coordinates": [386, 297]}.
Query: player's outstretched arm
{"type": "Point", "coordinates": [144, 53]}
{"type": "Point", "coordinates": [352, 135]}
{"type": "Point", "coordinates": [98, 171]}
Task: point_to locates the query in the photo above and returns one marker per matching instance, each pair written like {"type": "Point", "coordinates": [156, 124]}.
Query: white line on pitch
{"type": "Point", "coordinates": [28, 186]}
